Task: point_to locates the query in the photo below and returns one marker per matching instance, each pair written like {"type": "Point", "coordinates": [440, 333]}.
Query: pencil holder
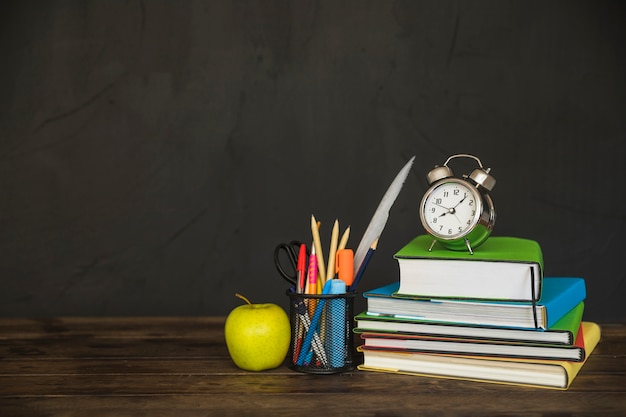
{"type": "Point", "coordinates": [321, 332]}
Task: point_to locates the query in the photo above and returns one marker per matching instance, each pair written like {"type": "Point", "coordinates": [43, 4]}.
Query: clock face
{"type": "Point", "coordinates": [451, 209]}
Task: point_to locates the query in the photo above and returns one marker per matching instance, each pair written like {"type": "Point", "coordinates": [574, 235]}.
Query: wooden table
{"type": "Point", "coordinates": [161, 366]}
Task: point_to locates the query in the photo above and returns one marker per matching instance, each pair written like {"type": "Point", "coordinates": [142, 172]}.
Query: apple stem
{"type": "Point", "coordinates": [243, 298]}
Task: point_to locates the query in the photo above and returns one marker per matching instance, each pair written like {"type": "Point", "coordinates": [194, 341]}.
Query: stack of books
{"type": "Point", "coordinates": [491, 316]}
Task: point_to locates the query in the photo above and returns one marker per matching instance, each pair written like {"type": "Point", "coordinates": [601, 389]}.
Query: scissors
{"type": "Point", "coordinates": [290, 273]}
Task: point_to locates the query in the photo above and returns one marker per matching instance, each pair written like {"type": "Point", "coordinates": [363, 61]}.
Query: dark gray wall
{"type": "Point", "coordinates": [152, 153]}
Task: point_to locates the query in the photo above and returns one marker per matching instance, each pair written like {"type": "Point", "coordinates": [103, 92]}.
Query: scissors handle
{"type": "Point", "coordinates": [292, 249]}
{"type": "Point", "coordinates": [279, 266]}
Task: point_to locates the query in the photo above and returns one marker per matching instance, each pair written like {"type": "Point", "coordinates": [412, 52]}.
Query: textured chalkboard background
{"type": "Point", "coordinates": [152, 153]}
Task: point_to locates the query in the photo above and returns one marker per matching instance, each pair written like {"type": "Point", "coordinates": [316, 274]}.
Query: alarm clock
{"type": "Point", "coordinates": [458, 212]}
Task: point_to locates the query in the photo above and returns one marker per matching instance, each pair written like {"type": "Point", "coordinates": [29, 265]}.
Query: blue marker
{"type": "Point", "coordinates": [336, 329]}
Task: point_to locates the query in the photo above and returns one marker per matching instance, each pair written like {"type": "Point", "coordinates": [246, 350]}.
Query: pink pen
{"type": "Point", "coordinates": [311, 285]}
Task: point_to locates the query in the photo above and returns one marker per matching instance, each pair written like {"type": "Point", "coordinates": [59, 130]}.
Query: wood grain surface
{"type": "Point", "coordinates": [179, 366]}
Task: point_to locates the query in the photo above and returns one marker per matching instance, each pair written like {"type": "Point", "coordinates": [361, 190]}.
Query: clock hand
{"type": "Point", "coordinates": [451, 211]}
{"type": "Point", "coordinates": [463, 199]}
{"type": "Point", "coordinates": [448, 210]}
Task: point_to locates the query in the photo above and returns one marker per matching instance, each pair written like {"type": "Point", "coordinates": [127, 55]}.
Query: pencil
{"type": "Point", "coordinates": [363, 266]}
{"type": "Point", "coordinates": [344, 239]}
{"type": "Point", "coordinates": [332, 254]}
{"type": "Point", "coordinates": [315, 231]}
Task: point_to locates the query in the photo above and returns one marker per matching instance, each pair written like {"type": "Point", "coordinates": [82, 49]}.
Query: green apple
{"type": "Point", "coordinates": [257, 335]}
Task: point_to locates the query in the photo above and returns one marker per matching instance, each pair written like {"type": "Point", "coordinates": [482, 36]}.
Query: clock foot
{"type": "Point", "coordinates": [432, 245]}
{"type": "Point", "coordinates": [469, 247]}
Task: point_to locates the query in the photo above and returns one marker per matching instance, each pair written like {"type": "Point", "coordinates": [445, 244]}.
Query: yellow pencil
{"type": "Point", "coordinates": [318, 251]}
{"type": "Point", "coordinates": [332, 252]}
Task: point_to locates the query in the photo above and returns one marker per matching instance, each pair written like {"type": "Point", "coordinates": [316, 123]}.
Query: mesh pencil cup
{"type": "Point", "coordinates": [321, 332]}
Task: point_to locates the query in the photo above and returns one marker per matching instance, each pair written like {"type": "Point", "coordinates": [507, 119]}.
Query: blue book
{"type": "Point", "coordinates": [559, 296]}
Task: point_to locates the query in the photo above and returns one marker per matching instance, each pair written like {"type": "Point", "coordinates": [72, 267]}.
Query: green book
{"type": "Point", "coordinates": [502, 268]}
{"type": "Point", "coordinates": [563, 332]}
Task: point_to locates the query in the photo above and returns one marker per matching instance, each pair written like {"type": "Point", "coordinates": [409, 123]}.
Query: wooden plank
{"type": "Point", "coordinates": [529, 403]}
{"type": "Point", "coordinates": [188, 365]}
{"type": "Point", "coordinates": [605, 357]}
{"type": "Point", "coordinates": [81, 346]}
{"type": "Point", "coordinates": [114, 327]}
{"type": "Point", "coordinates": [85, 347]}
{"type": "Point", "coordinates": [125, 384]}
{"type": "Point", "coordinates": [151, 328]}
